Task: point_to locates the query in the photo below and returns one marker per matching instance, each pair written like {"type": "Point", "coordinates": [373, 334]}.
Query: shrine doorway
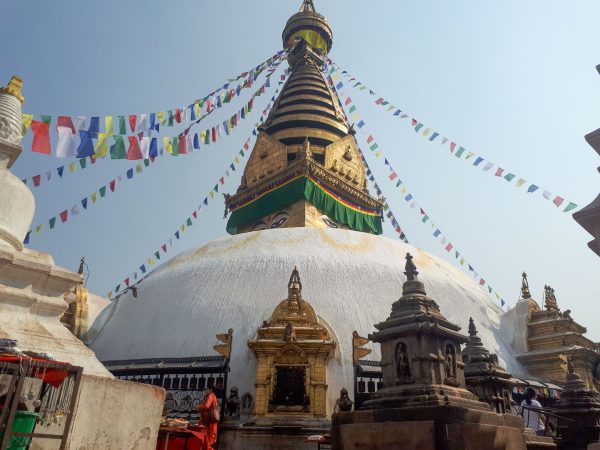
{"type": "Point", "coordinates": [290, 387]}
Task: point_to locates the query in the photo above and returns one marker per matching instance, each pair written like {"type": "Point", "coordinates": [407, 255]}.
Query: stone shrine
{"type": "Point", "coordinates": [425, 403]}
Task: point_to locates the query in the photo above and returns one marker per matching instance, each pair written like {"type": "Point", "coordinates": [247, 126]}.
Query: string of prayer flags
{"type": "Point", "coordinates": [405, 194]}
{"type": "Point", "coordinates": [428, 133]}
{"type": "Point", "coordinates": [86, 201]}
{"type": "Point", "coordinates": [178, 234]}
{"type": "Point", "coordinates": [49, 175]}
{"type": "Point", "coordinates": [77, 140]}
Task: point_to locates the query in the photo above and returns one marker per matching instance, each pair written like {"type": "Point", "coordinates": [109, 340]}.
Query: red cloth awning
{"type": "Point", "coordinates": [53, 377]}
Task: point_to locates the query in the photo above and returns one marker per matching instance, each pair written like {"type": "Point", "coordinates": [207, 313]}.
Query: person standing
{"type": "Point", "coordinates": [210, 414]}
{"type": "Point", "coordinates": [533, 419]}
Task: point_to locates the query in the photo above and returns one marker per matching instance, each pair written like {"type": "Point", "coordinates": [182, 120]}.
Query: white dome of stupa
{"type": "Point", "coordinates": [350, 279]}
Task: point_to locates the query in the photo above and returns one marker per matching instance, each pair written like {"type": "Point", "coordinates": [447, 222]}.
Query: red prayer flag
{"type": "Point", "coordinates": [392, 176]}
{"type": "Point", "coordinates": [414, 122]}
{"type": "Point", "coordinates": [178, 115]}
{"type": "Point", "coordinates": [41, 137]}
{"type": "Point", "coordinates": [558, 200]}
{"type": "Point", "coordinates": [132, 121]}
{"type": "Point", "coordinates": [499, 172]}
{"type": "Point", "coordinates": [452, 147]}
{"type": "Point", "coordinates": [65, 121]}
{"type": "Point", "coordinates": [370, 139]}
{"type": "Point", "coordinates": [481, 282]}
{"type": "Point", "coordinates": [93, 159]}
{"type": "Point", "coordinates": [195, 214]}
{"type": "Point", "coordinates": [348, 101]}
{"type": "Point", "coordinates": [182, 146]}
{"type": "Point", "coordinates": [64, 216]}
{"type": "Point", "coordinates": [214, 135]}
{"type": "Point", "coordinates": [449, 247]}
{"type": "Point", "coordinates": [164, 248]}
{"type": "Point", "coordinates": [126, 281]}
{"type": "Point", "coordinates": [246, 146]}
{"type": "Point", "coordinates": [112, 185]}
{"type": "Point", "coordinates": [222, 180]}
{"type": "Point", "coordinates": [134, 151]}
{"type": "Point", "coordinates": [379, 101]}
{"type": "Point", "coordinates": [36, 180]}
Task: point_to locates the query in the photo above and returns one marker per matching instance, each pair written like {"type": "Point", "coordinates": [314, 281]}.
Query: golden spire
{"type": "Point", "coordinates": [525, 293]}
{"type": "Point", "coordinates": [14, 88]}
{"type": "Point", "coordinates": [550, 299]}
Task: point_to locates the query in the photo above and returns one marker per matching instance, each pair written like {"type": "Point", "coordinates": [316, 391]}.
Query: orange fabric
{"type": "Point", "coordinates": [206, 417]}
{"type": "Point", "coordinates": [195, 439]}
{"type": "Point", "coordinates": [54, 377]}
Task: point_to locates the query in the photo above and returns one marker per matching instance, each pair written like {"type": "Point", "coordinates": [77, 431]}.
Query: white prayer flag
{"type": "Point", "coordinates": [66, 143]}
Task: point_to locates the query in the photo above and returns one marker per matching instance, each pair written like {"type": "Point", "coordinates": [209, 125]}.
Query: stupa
{"type": "Point", "coordinates": [32, 291]}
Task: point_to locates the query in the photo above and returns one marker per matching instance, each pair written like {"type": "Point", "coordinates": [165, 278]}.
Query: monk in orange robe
{"type": "Point", "coordinates": [207, 416]}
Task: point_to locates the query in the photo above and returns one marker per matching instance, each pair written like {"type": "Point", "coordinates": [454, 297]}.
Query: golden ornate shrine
{"type": "Point", "coordinates": [76, 317]}
{"type": "Point", "coordinates": [292, 350]}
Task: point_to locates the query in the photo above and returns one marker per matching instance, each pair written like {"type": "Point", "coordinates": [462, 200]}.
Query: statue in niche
{"type": "Point", "coordinates": [343, 403]}
{"type": "Point", "coordinates": [233, 403]}
{"type": "Point", "coordinates": [402, 365]}
{"type": "Point", "coordinates": [450, 362]}
{"type": "Point", "coordinates": [348, 154]}
{"type": "Point", "coordinates": [247, 402]}
{"type": "Point", "coordinates": [289, 334]}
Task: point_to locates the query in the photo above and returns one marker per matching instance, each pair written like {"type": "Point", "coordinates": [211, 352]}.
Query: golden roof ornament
{"type": "Point", "coordinates": [14, 88]}
{"type": "Point", "coordinates": [550, 299]}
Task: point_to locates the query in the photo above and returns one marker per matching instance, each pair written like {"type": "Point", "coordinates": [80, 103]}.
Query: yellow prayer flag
{"type": "Point", "coordinates": [39, 228]}
{"type": "Point", "coordinates": [72, 167]}
{"type": "Point", "coordinates": [182, 228]}
{"type": "Point", "coordinates": [151, 262]}
{"type": "Point", "coordinates": [108, 125]}
{"type": "Point", "coordinates": [237, 159]}
{"type": "Point", "coordinates": [426, 132]}
{"type": "Point", "coordinates": [26, 119]}
{"type": "Point", "coordinates": [168, 146]}
{"type": "Point", "coordinates": [161, 117]}
{"type": "Point", "coordinates": [138, 168]}
{"type": "Point", "coordinates": [203, 135]}
{"type": "Point", "coordinates": [520, 182]}
{"type": "Point", "coordinates": [101, 148]}
{"type": "Point", "coordinates": [462, 261]}
{"type": "Point", "coordinates": [469, 155]}
{"type": "Point", "coordinates": [378, 154]}
{"type": "Point", "coordinates": [197, 110]}
{"type": "Point", "coordinates": [212, 194]}
{"type": "Point", "coordinates": [94, 197]}
{"type": "Point", "coordinates": [404, 190]}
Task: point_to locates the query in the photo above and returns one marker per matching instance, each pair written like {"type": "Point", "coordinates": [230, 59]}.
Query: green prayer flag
{"type": "Point", "coordinates": [374, 146]}
{"type": "Point", "coordinates": [170, 120]}
{"type": "Point", "coordinates": [459, 152]}
{"type": "Point", "coordinates": [47, 119]}
{"type": "Point", "coordinates": [241, 152]}
{"type": "Point", "coordinates": [117, 150]}
{"type": "Point", "coordinates": [146, 162]}
{"type": "Point", "coordinates": [122, 127]}
{"type": "Point", "coordinates": [102, 191]}
{"type": "Point", "coordinates": [509, 176]}
{"type": "Point", "coordinates": [157, 254]}
{"type": "Point", "coordinates": [189, 222]}
{"type": "Point", "coordinates": [570, 206]}
{"type": "Point", "coordinates": [52, 222]}
{"type": "Point", "coordinates": [82, 162]}
{"type": "Point", "coordinates": [175, 145]}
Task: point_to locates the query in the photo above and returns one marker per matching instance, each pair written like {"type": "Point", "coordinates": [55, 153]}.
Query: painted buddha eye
{"type": "Point", "coordinates": [279, 220]}
{"type": "Point", "coordinates": [330, 223]}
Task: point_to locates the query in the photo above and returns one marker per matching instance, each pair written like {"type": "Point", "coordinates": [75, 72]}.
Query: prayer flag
{"type": "Point", "coordinates": [459, 152]}
{"type": "Point", "coordinates": [145, 147]}
{"type": "Point", "coordinates": [36, 180]}
{"type": "Point", "coordinates": [26, 120]}
{"type": "Point", "coordinates": [546, 195]}
{"type": "Point", "coordinates": [132, 122]}
{"type": "Point", "coordinates": [167, 142]}
{"type": "Point", "coordinates": [570, 206]}
{"type": "Point", "coordinates": [134, 151]}
{"type": "Point", "coordinates": [143, 125]}
{"type": "Point", "coordinates": [481, 282]}
{"type": "Point", "coordinates": [52, 222]}
{"type": "Point", "coordinates": [122, 129]}
{"type": "Point", "coordinates": [108, 125]}
{"type": "Point", "coordinates": [130, 174]}
{"type": "Point", "coordinates": [509, 176]}
{"type": "Point", "coordinates": [112, 185]}
{"type": "Point", "coordinates": [86, 146]}
{"type": "Point", "coordinates": [520, 182]}
{"type": "Point", "coordinates": [488, 166]}
{"type": "Point", "coordinates": [153, 148]}
{"type": "Point", "coordinates": [449, 247]}
{"type": "Point", "coordinates": [82, 162]}
{"type": "Point", "coordinates": [66, 142]}
{"type": "Point", "coordinates": [41, 137]}
{"type": "Point", "coordinates": [102, 191]}
{"type": "Point", "coordinates": [499, 172]}
{"type": "Point", "coordinates": [84, 203]}
{"type": "Point", "coordinates": [65, 121]}
{"type": "Point", "coordinates": [418, 127]}
{"type": "Point", "coordinates": [117, 150]}
{"type": "Point", "coordinates": [64, 215]}
{"type": "Point", "coordinates": [532, 188]}
{"type": "Point", "coordinates": [452, 147]}
{"type": "Point", "coordinates": [94, 126]}
{"type": "Point", "coordinates": [60, 171]}
{"type": "Point", "coordinates": [182, 146]}
{"type": "Point", "coordinates": [558, 201]}
{"type": "Point", "coordinates": [79, 123]}
{"type": "Point", "coordinates": [433, 136]}
{"type": "Point", "coordinates": [102, 145]}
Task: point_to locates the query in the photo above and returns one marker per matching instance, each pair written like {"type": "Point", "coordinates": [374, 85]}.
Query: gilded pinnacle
{"type": "Point", "coordinates": [14, 88]}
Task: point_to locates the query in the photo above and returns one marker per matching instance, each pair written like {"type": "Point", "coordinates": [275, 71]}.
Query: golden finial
{"type": "Point", "coordinates": [525, 293]}
{"type": "Point", "coordinates": [14, 88]}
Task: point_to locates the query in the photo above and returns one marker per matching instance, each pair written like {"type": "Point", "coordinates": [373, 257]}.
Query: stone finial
{"type": "Point", "coordinates": [307, 5]}
{"type": "Point", "coordinates": [295, 285]}
{"type": "Point", "coordinates": [81, 264]}
{"type": "Point", "coordinates": [410, 268]}
{"type": "Point", "coordinates": [525, 293]}
{"type": "Point", "coordinates": [14, 88]}
{"type": "Point", "coordinates": [472, 328]}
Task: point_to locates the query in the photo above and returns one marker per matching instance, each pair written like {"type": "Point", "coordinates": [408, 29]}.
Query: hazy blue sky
{"type": "Point", "coordinates": [513, 81]}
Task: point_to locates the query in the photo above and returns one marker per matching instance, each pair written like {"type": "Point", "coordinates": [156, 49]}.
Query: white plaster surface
{"type": "Point", "coordinates": [350, 278]}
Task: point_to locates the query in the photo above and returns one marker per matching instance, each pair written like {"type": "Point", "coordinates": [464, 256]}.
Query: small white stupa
{"type": "Point", "coordinates": [111, 414]}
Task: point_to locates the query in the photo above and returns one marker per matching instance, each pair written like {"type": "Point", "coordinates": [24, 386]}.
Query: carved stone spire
{"type": "Point", "coordinates": [307, 5]}
{"type": "Point", "coordinates": [474, 349]}
{"type": "Point", "coordinates": [410, 268]}
{"type": "Point", "coordinates": [525, 293]}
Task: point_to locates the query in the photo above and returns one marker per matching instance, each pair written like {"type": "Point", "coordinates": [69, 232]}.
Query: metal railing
{"type": "Point", "coordinates": [546, 422]}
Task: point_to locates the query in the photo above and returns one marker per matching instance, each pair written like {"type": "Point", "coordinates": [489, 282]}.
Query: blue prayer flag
{"type": "Point", "coordinates": [130, 174]}
{"type": "Point", "coordinates": [437, 232]}
{"type": "Point", "coordinates": [339, 85]}
{"type": "Point", "coordinates": [153, 153]}
{"type": "Point", "coordinates": [26, 240]}
{"type": "Point", "coordinates": [152, 120]}
{"type": "Point", "coordinates": [478, 161]}
{"type": "Point", "coordinates": [60, 170]}
{"type": "Point", "coordinates": [433, 136]}
{"type": "Point", "coordinates": [408, 198]}
{"type": "Point", "coordinates": [360, 124]}
{"type": "Point", "coordinates": [470, 268]}
{"type": "Point", "coordinates": [143, 268]}
{"type": "Point", "coordinates": [532, 188]}
{"type": "Point", "coordinates": [86, 146]}
{"type": "Point", "coordinates": [398, 112]}
{"type": "Point", "coordinates": [205, 200]}
{"type": "Point", "coordinates": [177, 234]}
{"type": "Point", "coordinates": [502, 302]}
{"type": "Point", "coordinates": [94, 126]}
{"type": "Point", "coordinates": [196, 141]}
{"type": "Point", "coordinates": [84, 203]}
